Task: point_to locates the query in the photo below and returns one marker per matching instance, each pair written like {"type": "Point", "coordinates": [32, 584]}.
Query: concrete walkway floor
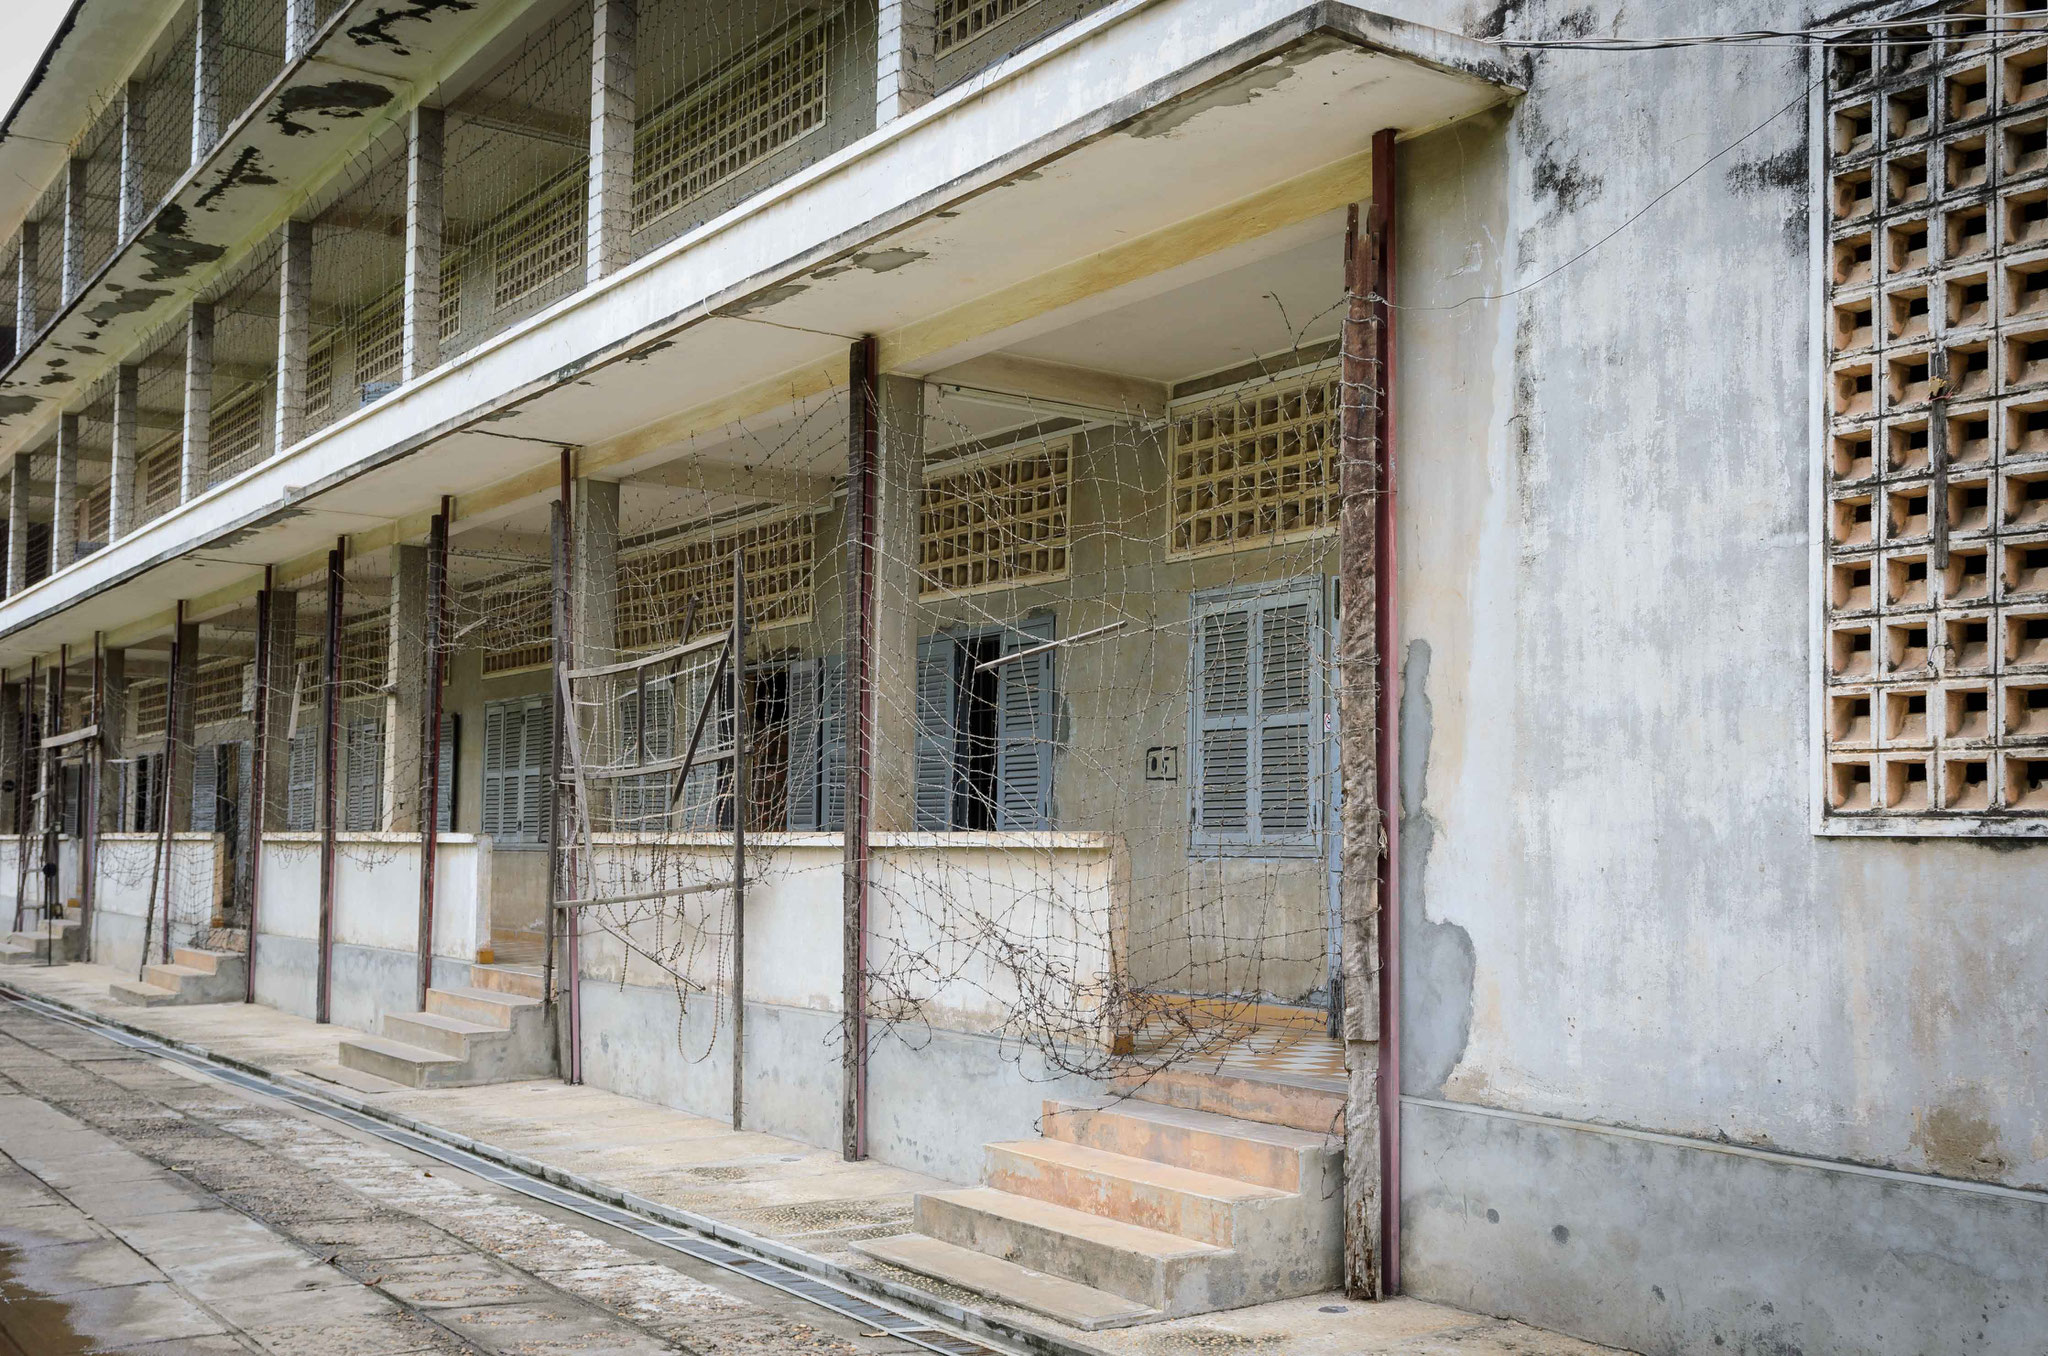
{"type": "Point", "coordinates": [788, 1194]}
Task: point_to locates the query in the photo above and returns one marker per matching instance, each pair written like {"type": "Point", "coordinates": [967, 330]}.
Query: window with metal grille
{"type": "Point", "coordinates": [93, 518]}
{"type": "Point", "coordinates": [962, 21]}
{"type": "Point", "coordinates": [151, 695]}
{"type": "Point", "coordinates": [541, 238]}
{"type": "Point", "coordinates": [236, 440]}
{"type": "Point", "coordinates": [656, 583]}
{"type": "Point", "coordinates": [515, 622]}
{"type": "Point", "coordinates": [450, 317]}
{"type": "Point", "coordinates": [736, 116]}
{"type": "Point", "coordinates": [363, 644]}
{"type": "Point", "coordinates": [517, 735]}
{"type": "Point", "coordinates": [379, 333]}
{"type": "Point", "coordinates": [1257, 734]}
{"type": "Point", "coordinates": [1934, 517]}
{"type": "Point", "coordinates": [1256, 466]}
{"type": "Point", "coordinates": [319, 384]}
{"type": "Point", "coordinates": [159, 474]}
{"type": "Point", "coordinates": [220, 690]}
{"type": "Point", "coordinates": [995, 521]}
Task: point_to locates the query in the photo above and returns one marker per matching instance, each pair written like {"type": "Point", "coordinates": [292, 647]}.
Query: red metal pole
{"type": "Point", "coordinates": [331, 780]}
{"type": "Point", "coordinates": [430, 745]}
{"type": "Point", "coordinates": [1386, 625]}
{"type": "Point", "coordinates": [258, 775]}
{"type": "Point", "coordinates": [571, 951]}
{"type": "Point", "coordinates": [858, 718]}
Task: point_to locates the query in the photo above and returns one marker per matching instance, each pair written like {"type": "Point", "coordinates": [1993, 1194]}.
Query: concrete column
{"type": "Point", "coordinates": [10, 751]}
{"type": "Point", "coordinates": [122, 494]}
{"type": "Point", "coordinates": [906, 35]}
{"type": "Point", "coordinates": [178, 730]}
{"type": "Point", "coordinates": [613, 110]}
{"type": "Point", "coordinates": [294, 331]}
{"type": "Point", "coordinates": [277, 756]}
{"type": "Point", "coordinates": [422, 243]}
{"type": "Point", "coordinates": [26, 321]}
{"type": "Point", "coordinates": [298, 29]}
{"type": "Point", "coordinates": [17, 525]}
{"type": "Point", "coordinates": [899, 482]}
{"type": "Point", "coordinates": [198, 401]}
{"type": "Point", "coordinates": [74, 228]}
{"type": "Point", "coordinates": [64, 495]}
{"type": "Point", "coordinates": [134, 103]}
{"type": "Point", "coordinates": [113, 734]}
{"type": "Point", "coordinates": [405, 681]}
{"type": "Point", "coordinates": [593, 585]}
{"type": "Point", "coordinates": [207, 94]}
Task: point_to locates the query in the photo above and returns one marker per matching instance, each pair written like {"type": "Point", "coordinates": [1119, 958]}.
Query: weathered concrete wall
{"type": "Point", "coordinates": [122, 901]}
{"type": "Point", "coordinates": [1614, 908]}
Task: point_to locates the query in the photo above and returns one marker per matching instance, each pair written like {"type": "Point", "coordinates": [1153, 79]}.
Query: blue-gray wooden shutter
{"type": "Point", "coordinates": [205, 789]}
{"type": "Point", "coordinates": [804, 745]}
{"type": "Point", "coordinates": [302, 792]}
{"type": "Point", "coordinates": [444, 797]}
{"type": "Point", "coordinates": [363, 785]}
{"type": "Point", "coordinates": [536, 796]}
{"type": "Point", "coordinates": [1025, 707]}
{"type": "Point", "coordinates": [1221, 720]}
{"type": "Point", "coordinates": [1289, 679]}
{"type": "Point", "coordinates": [832, 744]}
{"type": "Point", "coordinates": [700, 807]}
{"type": "Point", "coordinates": [498, 716]}
{"type": "Point", "coordinates": [937, 739]}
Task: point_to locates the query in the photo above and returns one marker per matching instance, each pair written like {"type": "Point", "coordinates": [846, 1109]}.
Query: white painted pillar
{"type": "Point", "coordinates": [294, 331]}
{"type": "Point", "coordinates": [73, 276]}
{"type": "Point", "coordinates": [207, 93]}
{"type": "Point", "coordinates": [422, 243]}
{"type": "Point", "coordinates": [26, 321]}
{"type": "Point", "coordinates": [17, 525]}
{"type": "Point", "coordinates": [613, 110]}
{"type": "Point", "coordinates": [899, 427]}
{"type": "Point", "coordinates": [277, 753]}
{"type": "Point", "coordinates": [121, 486]}
{"type": "Point", "coordinates": [198, 402]}
{"type": "Point", "coordinates": [906, 36]}
{"type": "Point", "coordinates": [64, 495]}
{"type": "Point", "coordinates": [113, 734]}
{"type": "Point", "coordinates": [405, 684]}
{"type": "Point", "coordinates": [298, 36]}
{"type": "Point", "coordinates": [134, 103]}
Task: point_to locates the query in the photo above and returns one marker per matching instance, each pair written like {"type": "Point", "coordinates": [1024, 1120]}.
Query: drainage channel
{"type": "Point", "coordinates": [896, 1323]}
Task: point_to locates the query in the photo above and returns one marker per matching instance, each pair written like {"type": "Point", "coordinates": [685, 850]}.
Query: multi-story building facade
{"type": "Point", "coordinates": [399, 397]}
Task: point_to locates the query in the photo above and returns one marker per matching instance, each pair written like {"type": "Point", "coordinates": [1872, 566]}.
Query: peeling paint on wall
{"type": "Point", "coordinates": [1437, 959]}
{"type": "Point", "coordinates": [338, 99]}
{"type": "Point", "coordinates": [376, 31]}
{"type": "Point", "coordinates": [170, 252]}
{"type": "Point", "coordinates": [1231, 92]}
{"type": "Point", "coordinates": [126, 301]}
{"type": "Point", "coordinates": [245, 169]}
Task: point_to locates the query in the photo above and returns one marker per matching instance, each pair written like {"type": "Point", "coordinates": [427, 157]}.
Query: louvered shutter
{"type": "Point", "coordinates": [205, 789]}
{"type": "Point", "coordinates": [1287, 675]}
{"type": "Point", "coordinates": [1025, 709]}
{"type": "Point", "coordinates": [937, 739]}
{"type": "Point", "coordinates": [302, 795]}
{"type": "Point", "coordinates": [802, 724]}
{"type": "Point", "coordinates": [444, 800]}
{"type": "Point", "coordinates": [363, 788]}
{"type": "Point", "coordinates": [832, 744]}
{"type": "Point", "coordinates": [497, 717]}
{"type": "Point", "coordinates": [1221, 741]}
{"type": "Point", "coordinates": [536, 754]}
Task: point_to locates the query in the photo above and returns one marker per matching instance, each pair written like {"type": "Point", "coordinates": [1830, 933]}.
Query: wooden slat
{"type": "Point", "coordinates": [72, 737]}
{"type": "Point", "coordinates": [648, 661]}
{"type": "Point", "coordinates": [709, 887]}
{"type": "Point", "coordinates": [601, 774]}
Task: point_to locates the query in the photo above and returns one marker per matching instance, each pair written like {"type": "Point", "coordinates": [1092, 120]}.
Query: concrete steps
{"type": "Point", "coordinates": [1127, 1211]}
{"type": "Point", "coordinates": [194, 975]}
{"type": "Point", "coordinates": [56, 943]}
{"type": "Point", "coordinates": [494, 1029]}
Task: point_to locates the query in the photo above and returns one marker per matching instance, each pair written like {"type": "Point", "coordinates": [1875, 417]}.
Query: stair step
{"type": "Point", "coordinates": [522, 980]}
{"type": "Point", "coordinates": [479, 1005]}
{"type": "Point", "coordinates": [1248, 1151]}
{"type": "Point", "coordinates": [1160, 1196]}
{"type": "Point", "coordinates": [1069, 1302]}
{"type": "Point", "coordinates": [173, 976]}
{"type": "Point", "coordinates": [436, 1031]}
{"type": "Point", "coordinates": [1274, 1099]}
{"type": "Point", "coordinates": [11, 954]}
{"type": "Point", "coordinates": [401, 1063]}
{"type": "Point", "coordinates": [1144, 1265]}
{"type": "Point", "coordinates": [135, 993]}
{"type": "Point", "coordinates": [206, 962]}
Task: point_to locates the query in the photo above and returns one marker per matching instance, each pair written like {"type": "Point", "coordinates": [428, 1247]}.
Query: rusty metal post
{"type": "Point", "coordinates": [430, 738]}
{"type": "Point", "coordinates": [742, 800]}
{"type": "Point", "coordinates": [330, 779]}
{"type": "Point", "coordinates": [862, 483]}
{"type": "Point", "coordinates": [259, 762]}
{"type": "Point", "coordinates": [90, 772]}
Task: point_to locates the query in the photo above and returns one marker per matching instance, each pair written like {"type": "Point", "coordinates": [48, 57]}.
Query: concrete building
{"type": "Point", "coordinates": [1167, 450]}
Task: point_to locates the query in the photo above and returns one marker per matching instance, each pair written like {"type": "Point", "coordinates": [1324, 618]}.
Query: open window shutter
{"type": "Point", "coordinates": [832, 743]}
{"type": "Point", "coordinates": [1288, 678]}
{"type": "Point", "coordinates": [1221, 717]}
{"type": "Point", "coordinates": [363, 790]}
{"type": "Point", "coordinates": [302, 792]}
{"type": "Point", "coordinates": [936, 737]}
{"type": "Point", "coordinates": [444, 801]}
{"type": "Point", "coordinates": [1025, 708]}
{"type": "Point", "coordinates": [535, 795]}
{"type": "Point", "coordinates": [802, 724]}
{"type": "Point", "coordinates": [205, 789]}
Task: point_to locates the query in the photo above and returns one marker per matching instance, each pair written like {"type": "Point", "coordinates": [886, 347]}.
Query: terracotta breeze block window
{"type": "Point", "coordinates": [1935, 527]}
